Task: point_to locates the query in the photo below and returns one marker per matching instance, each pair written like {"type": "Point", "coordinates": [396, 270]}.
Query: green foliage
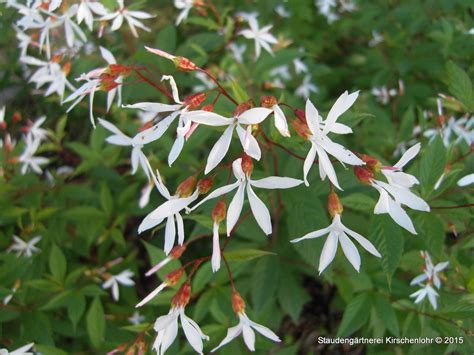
{"type": "Point", "coordinates": [87, 218]}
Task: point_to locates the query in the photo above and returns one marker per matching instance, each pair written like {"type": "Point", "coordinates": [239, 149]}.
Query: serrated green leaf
{"type": "Point", "coordinates": [75, 308]}
{"type": "Point", "coordinates": [388, 239]}
{"type": "Point", "coordinates": [246, 254]}
{"type": "Point", "coordinates": [386, 313]}
{"type": "Point", "coordinates": [57, 263]}
{"type": "Point", "coordinates": [96, 322]}
{"type": "Point", "coordinates": [355, 315]}
{"type": "Point", "coordinates": [460, 85]}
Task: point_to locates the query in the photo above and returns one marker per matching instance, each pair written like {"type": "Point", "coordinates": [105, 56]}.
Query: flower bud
{"type": "Point", "coordinates": [17, 117]}
{"type": "Point", "coordinates": [3, 125]}
{"type": "Point", "coordinates": [238, 304]}
{"type": "Point", "coordinates": [334, 204]}
{"type": "Point", "coordinates": [186, 188]}
{"type": "Point", "coordinates": [181, 298]}
{"type": "Point", "coordinates": [66, 68]}
{"type": "Point", "coordinates": [300, 114]}
{"type": "Point", "coordinates": [195, 100]}
{"type": "Point", "coordinates": [364, 175]}
{"type": "Point", "coordinates": [119, 70]}
{"type": "Point", "coordinates": [173, 277]}
{"type": "Point", "coordinates": [219, 212]}
{"type": "Point", "coordinates": [57, 58]}
{"type": "Point", "coordinates": [208, 108]}
{"type": "Point", "coordinates": [247, 164]}
{"type": "Point", "coordinates": [371, 163]}
{"type": "Point", "coordinates": [301, 129]}
{"type": "Point", "coordinates": [177, 251]}
{"type": "Point", "coordinates": [242, 107]}
{"type": "Point", "coordinates": [184, 64]}
{"type": "Point", "coordinates": [205, 184]}
{"type": "Point", "coordinates": [268, 101]}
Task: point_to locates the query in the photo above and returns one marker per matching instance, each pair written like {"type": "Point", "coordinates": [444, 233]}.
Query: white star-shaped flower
{"type": "Point", "coordinates": [124, 279]}
{"type": "Point", "coordinates": [321, 144]}
{"type": "Point", "coordinates": [132, 18]}
{"type": "Point", "coordinates": [244, 184]}
{"type": "Point", "coordinates": [262, 37]}
{"type": "Point", "coordinates": [25, 248]}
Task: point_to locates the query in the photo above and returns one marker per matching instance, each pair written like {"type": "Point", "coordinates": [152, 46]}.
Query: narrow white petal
{"type": "Point", "coordinates": [325, 166]}
{"type": "Point", "coordinates": [350, 251]}
{"type": "Point", "coordinates": [152, 295]}
{"type": "Point", "coordinates": [260, 211]}
{"type": "Point", "coordinates": [312, 117]}
{"type": "Point", "coordinates": [217, 192]}
{"type": "Point", "coordinates": [409, 155]}
{"type": "Point", "coordinates": [249, 337]}
{"type": "Point", "coordinates": [170, 235]}
{"type": "Point", "coordinates": [308, 163]}
{"type": "Point", "coordinates": [266, 332]}
{"type": "Point", "coordinates": [417, 280]}
{"type": "Point", "coordinates": [280, 121]}
{"type": "Point", "coordinates": [466, 180]}
{"type": "Point", "coordinates": [216, 250]}
{"type": "Point", "coordinates": [219, 150]}
{"type": "Point", "coordinates": [312, 235]}
{"type": "Point", "coordinates": [276, 182]}
{"type": "Point", "coordinates": [208, 118]}
{"type": "Point", "coordinates": [329, 252]}
{"type": "Point", "coordinates": [342, 104]}
{"type": "Point", "coordinates": [254, 115]}
{"type": "Point", "coordinates": [232, 333]}
{"type": "Point", "coordinates": [249, 143]}
{"type": "Point", "coordinates": [235, 208]}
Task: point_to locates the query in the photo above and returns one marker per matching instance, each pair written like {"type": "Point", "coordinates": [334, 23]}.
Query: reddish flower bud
{"type": "Point", "coordinates": [173, 277]}
{"type": "Point", "coordinates": [334, 204]}
{"type": "Point", "coordinates": [107, 82]}
{"type": "Point", "coordinates": [181, 298]}
{"type": "Point", "coordinates": [208, 108]}
{"type": "Point", "coordinates": [184, 64]}
{"type": "Point", "coordinates": [441, 120]}
{"type": "Point", "coordinates": [364, 175]}
{"type": "Point", "coordinates": [24, 129]}
{"type": "Point", "coordinates": [177, 251]}
{"type": "Point", "coordinates": [17, 117]}
{"type": "Point", "coordinates": [186, 188]}
{"type": "Point", "coordinates": [300, 114]}
{"type": "Point", "coordinates": [268, 101]}
{"type": "Point", "coordinates": [371, 163]}
{"type": "Point", "coordinates": [219, 212]}
{"type": "Point", "coordinates": [301, 129]}
{"type": "Point", "coordinates": [205, 184]}
{"type": "Point", "coordinates": [57, 58]}
{"type": "Point", "coordinates": [3, 125]}
{"type": "Point", "coordinates": [119, 70]}
{"type": "Point", "coordinates": [244, 106]}
{"type": "Point", "coordinates": [238, 304]}
{"type": "Point", "coordinates": [195, 100]}
{"type": "Point", "coordinates": [66, 68]}
{"type": "Point", "coordinates": [247, 164]}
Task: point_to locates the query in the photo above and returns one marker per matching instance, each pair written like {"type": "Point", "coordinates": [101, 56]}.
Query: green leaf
{"type": "Point", "coordinates": [431, 229]}
{"type": "Point", "coordinates": [57, 263]}
{"type": "Point", "coordinates": [291, 295]}
{"type": "Point", "coordinates": [388, 239]}
{"type": "Point", "coordinates": [238, 92]}
{"type": "Point", "coordinates": [166, 39]}
{"type": "Point", "coordinates": [83, 213]}
{"type": "Point", "coordinates": [460, 86]}
{"type": "Point", "coordinates": [432, 165]}
{"type": "Point", "coordinates": [386, 313]}
{"type": "Point", "coordinates": [50, 350]}
{"type": "Point", "coordinates": [76, 308]}
{"type": "Point", "coordinates": [264, 282]}
{"type": "Point", "coordinates": [355, 316]}
{"type": "Point", "coordinates": [358, 201]}
{"type": "Point", "coordinates": [246, 254]}
{"type": "Point", "coordinates": [106, 200]}
{"type": "Point", "coordinates": [137, 328]}
{"type": "Point", "coordinates": [96, 323]}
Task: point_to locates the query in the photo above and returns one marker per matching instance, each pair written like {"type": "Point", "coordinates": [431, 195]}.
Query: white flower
{"type": "Point", "coordinates": [175, 110]}
{"type": "Point", "coordinates": [124, 278]}
{"type": "Point", "coordinates": [20, 351]}
{"type": "Point", "coordinates": [282, 11]}
{"type": "Point", "coordinates": [238, 51]}
{"type": "Point", "coordinates": [397, 192]}
{"type": "Point", "coordinates": [337, 232]}
{"type": "Point", "coordinates": [170, 210]}
{"type": "Point", "coordinates": [145, 195]}
{"type": "Point", "coordinates": [71, 29]}
{"type": "Point", "coordinates": [136, 318]}
{"type": "Point", "coordinates": [426, 291]}
{"type": "Point", "coordinates": [383, 94]}
{"type": "Point", "coordinates": [261, 36]}
{"type": "Point", "coordinates": [466, 180]}
{"type": "Point", "coordinates": [167, 329]}
{"type": "Point", "coordinates": [282, 71]}
{"type": "Point", "coordinates": [86, 12]}
{"type": "Point", "coordinates": [376, 39]}
{"type": "Point", "coordinates": [249, 143]}
{"type": "Point", "coordinates": [300, 66]}
{"type": "Point", "coordinates": [431, 271]}
{"type": "Point", "coordinates": [122, 13]}
{"type": "Point", "coordinates": [306, 88]}
{"type": "Point", "coordinates": [137, 142]}
{"type": "Point", "coordinates": [35, 130]}
{"type": "Point", "coordinates": [246, 327]}
{"type": "Point", "coordinates": [244, 184]}
{"type": "Point", "coordinates": [185, 6]}
{"type": "Point", "coordinates": [321, 144]}
{"type": "Point", "coordinates": [27, 158]}
{"type": "Point", "coordinates": [24, 248]}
